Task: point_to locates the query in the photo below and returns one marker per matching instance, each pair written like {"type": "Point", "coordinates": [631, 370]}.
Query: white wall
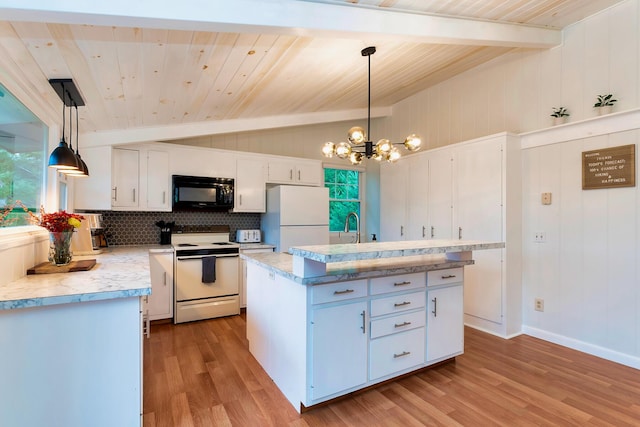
{"type": "Point", "coordinates": [587, 271]}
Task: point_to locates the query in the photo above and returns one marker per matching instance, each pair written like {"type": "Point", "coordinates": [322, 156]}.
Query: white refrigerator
{"type": "Point", "coordinates": [296, 216]}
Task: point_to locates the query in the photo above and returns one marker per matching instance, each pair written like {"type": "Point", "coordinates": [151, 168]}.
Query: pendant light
{"type": "Point", "coordinates": [62, 157]}
{"type": "Point", "coordinates": [359, 146]}
{"type": "Point", "coordinates": [83, 170]}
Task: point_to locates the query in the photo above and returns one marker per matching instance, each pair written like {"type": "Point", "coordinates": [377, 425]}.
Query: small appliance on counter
{"type": "Point", "coordinates": [89, 237]}
{"type": "Point", "coordinates": [248, 236]}
{"type": "Point", "coordinates": [166, 228]}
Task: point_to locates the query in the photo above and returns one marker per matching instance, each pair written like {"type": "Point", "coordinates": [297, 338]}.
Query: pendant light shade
{"type": "Point", "coordinates": [83, 170]}
{"type": "Point", "coordinates": [62, 157]}
{"type": "Point", "coordinates": [358, 137]}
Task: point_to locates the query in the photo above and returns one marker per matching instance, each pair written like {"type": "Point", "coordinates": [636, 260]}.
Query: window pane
{"type": "Point", "coordinates": [344, 195]}
{"type": "Point", "coordinates": [22, 152]}
{"type": "Point", "coordinates": [338, 213]}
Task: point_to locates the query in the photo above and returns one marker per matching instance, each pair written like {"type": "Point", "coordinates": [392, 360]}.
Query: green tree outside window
{"type": "Point", "coordinates": [344, 196]}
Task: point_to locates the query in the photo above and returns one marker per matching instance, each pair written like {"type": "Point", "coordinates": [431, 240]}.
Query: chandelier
{"type": "Point", "coordinates": [359, 146]}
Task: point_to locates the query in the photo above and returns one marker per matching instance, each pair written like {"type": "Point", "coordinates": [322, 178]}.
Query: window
{"type": "Point", "coordinates": [22, 155]}
{"type": "Point", "coordinates": [344, 196]}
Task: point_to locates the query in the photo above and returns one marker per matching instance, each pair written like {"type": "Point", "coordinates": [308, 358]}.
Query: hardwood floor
{"type": "Point", "coordinates": [202, 374]}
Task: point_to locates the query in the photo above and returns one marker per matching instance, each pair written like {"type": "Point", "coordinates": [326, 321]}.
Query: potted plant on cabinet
{"type": "Point", "coordinates": [604, 104]}
{"type": "Point", "coordinates": [559, 115]}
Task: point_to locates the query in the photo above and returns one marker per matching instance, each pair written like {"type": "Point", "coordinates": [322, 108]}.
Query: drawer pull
{"type": "Point", "coordinates": [400, 325]}
{"type": "Point", "coordinates": [401, 283]}
{"type": "Point", "coordinates": [404, 353]}
{"type": "Point", "coordinates": [451, 276]}
{"type": "Point", "coordinates": [400, 304]}
{"type": "Point", "coordinates": [435, 307]}
{"type": "Point", "coordinates": [346, 291]}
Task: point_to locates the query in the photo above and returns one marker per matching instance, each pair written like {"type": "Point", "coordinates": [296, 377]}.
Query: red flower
{"type": "Point", "coordinates": [60, 221]}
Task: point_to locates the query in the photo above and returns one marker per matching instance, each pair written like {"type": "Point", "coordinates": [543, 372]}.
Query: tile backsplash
{"type": "Point", "coordinates": [139, 228]}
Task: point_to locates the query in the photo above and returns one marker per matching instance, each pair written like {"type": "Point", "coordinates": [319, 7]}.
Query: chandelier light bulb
{"type": "Point", "coordinates": [355, 157]}
{"type": "Point", "coordinates": [329, 149]}
{"type": "Point", "coordinates": [343, 150]}
{"type": "Point", "coordinates": [357, 135]}
{"type": "Point", "coordinates": [412, 142]}
{"type": "Point", "coordinates": [384, 146]}
{"type": "Point", "coordinates": [394, 155]}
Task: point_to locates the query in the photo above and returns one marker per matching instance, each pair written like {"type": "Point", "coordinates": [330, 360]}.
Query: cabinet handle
{"type": "Point", "coordinates": [401, 283]}
{"type": "Point", "coordinates": [134, 195]}
{"type": "Point", "coordinates": [364, 323]}
{"type": "Point", "coordinates": [433, 231]}
{"type": "Point", "coordinates": [400, 304]}
{"type": "Point", "coordinates": [164, 197]}
{"type": "Point", "coordinates": [404, 353]}
{"type": "Point", "coordinates": [164, 279]}
{"type": "Point", "coordinates": [400, 325]}
{"type": "Point", "coordinates": [291, 174]}
{"type": "Point", "coordinates": [240, 196]}
{"type": "Point", "coordinates": [450, 276]}
{"type": "Point", "coordinates": [346, 291]}
{"type": "Point", "coordinates": [460, 233]}
{"type": "Point", "coordinates": [402, 230]}
{"type": "Point", "coordinates": [147, 324]}
{"type": "Point", "coordinates": [435, 307]}
{"type": "Point", "coordinates": [298, 175]}
{"type": "Point", "coordinates": [423, 231]}
{"type": "Point", "coordinates": [115, 193]}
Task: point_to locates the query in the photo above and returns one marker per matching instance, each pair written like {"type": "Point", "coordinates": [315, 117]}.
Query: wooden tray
{"type": "Point", "coordinates": [47, 267]}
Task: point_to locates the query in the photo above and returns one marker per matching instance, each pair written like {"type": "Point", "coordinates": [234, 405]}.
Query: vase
{"type": "Point", "coordinates": [605, 109]}
{"type": "Point", "coordinates": [559, 120]}
{"type": "Point", "coordinates": [60, 247]}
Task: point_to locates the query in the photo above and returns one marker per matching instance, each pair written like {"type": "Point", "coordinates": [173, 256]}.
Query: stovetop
{"type": "Point", "coordinates": [202, 237]}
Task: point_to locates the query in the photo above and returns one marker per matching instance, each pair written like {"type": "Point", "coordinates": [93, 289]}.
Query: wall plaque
{"type": "Point", "coordinates": [609, 167]}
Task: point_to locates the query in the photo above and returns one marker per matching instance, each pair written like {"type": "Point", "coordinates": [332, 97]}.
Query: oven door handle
{"type": "Point", "coordinates": [187, 258]}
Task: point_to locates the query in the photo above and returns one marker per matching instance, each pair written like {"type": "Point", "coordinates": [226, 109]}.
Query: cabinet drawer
{"type": "Point", "coordinates": [382, 285]}
{"type": "Point", "coordinates": [396, 352]}
{"type": "Point", "coordinates": [338, 291]}
{"type": "Point", "coordinates": [395, 324]}
{"type": "Point", "coordinates": [443, 277]}
{"type": "Point", "coordinates": [397, 303]}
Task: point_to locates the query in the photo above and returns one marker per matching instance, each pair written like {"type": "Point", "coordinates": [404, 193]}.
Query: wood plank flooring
{"type": "Point", "coordinates": [202, 374]}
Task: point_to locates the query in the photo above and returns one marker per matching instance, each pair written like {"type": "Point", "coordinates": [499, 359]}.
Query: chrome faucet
{"type": "Point", "coordinates": [346, 225]}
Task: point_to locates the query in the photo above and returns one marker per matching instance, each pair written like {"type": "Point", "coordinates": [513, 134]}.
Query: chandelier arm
{"type": "Point", "coordinates": [369, 102]}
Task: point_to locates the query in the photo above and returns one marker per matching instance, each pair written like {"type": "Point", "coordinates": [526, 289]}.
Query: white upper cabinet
{"type": "Point", "coordinates": [125, 175]}
{"type": "Point", "coordinates": [298, 171]}
{"type": "Point", "coordinates": [440, 199]}
{"type": "Point", "coordinates": [393, 201]}
{"type": "Point", "coordinates": [418, 182]}
{"type": "Point", "coordinates": [94, 192]}
{"type": "Point", "coordinates": [158, 181]}
{"type": "Point", "coordinates": [250, 186]}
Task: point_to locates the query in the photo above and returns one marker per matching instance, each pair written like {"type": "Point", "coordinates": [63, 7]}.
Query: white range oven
{"type": "Point", "coordinates": [206, 268]}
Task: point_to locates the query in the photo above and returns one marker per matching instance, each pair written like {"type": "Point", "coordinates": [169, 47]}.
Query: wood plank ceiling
{"type": "Point", "coordinates": [146, 76]}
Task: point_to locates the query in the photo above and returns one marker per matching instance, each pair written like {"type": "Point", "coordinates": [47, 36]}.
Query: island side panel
{"type": "Point", "coordinates": [277, 329]}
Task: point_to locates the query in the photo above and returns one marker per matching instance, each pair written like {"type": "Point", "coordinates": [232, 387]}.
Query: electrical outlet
{"type": "Point", "coordinates": [539, 304]}
{"type": "Point", "coordinates": [540, 237]}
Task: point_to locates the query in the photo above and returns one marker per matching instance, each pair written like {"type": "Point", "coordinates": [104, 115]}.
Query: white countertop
{"type": "Point", "coordinates": [119, 272]}
{"type": "Point", "coordinates": [374, 250]}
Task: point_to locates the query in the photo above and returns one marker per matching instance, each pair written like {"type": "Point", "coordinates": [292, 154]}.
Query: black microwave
{"type": "Point", "coordinates": [202, 193]}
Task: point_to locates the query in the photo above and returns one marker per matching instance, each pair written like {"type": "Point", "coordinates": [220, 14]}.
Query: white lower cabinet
{"type": "Point", "coordinates": [160, 302]}
{"type": "Point", "coordinates": [445, 327]}
{"type": "Point", "coordinates": [339, 348]}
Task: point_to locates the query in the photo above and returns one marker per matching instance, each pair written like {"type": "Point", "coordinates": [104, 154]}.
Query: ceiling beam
{"type": "Point", "coordinates": [293, 17]}
{"type": "Point", "coordinates": [192, 130]}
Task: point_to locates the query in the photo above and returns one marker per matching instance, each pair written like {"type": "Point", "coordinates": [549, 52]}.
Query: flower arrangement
{"type": "Point", "coordinates": [59, 221]}
{"type": "Point", "coordinates": [559, 112]}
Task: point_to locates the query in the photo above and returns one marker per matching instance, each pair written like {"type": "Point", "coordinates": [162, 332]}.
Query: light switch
{"type": "Point", "coordinates": [546, 198]}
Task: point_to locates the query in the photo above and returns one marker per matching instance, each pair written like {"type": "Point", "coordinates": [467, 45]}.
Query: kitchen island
{"type": "Point", "coordinates": [72, 344]}
{"type": "Point", "coordinates": [326, 321]}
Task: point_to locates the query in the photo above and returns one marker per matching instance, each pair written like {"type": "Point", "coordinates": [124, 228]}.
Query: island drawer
{"type": "Point", "coordinates": [340, 291]}
{"type": "Point", "coordinates": [400, 323]}
{"type": "Point", "coordinates": [444, 277]}
{"type": "Point", "coordinates": [397, 303]}
{"type": "Point", "coordinates": [403, 282]}
{"type": "Point", "coordinates": [396, 352]}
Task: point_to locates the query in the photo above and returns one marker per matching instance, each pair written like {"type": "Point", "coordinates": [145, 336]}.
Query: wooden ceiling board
{"type": "Point", "coordinates": [130, 68]}
{"type": "Point", "coordinates": [152, 52]}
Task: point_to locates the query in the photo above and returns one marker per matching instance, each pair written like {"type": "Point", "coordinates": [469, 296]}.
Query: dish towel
{"type": "Point", "coordinates": [208, 269]}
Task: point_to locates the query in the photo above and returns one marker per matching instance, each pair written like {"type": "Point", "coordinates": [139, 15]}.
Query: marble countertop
{"type": "Point", "coordinates": [119, 272]}
{"type": "Point", "coordinates": [374, 250]}
{"type": "Point", "coordinates": [244, 246]}
{"type": "Point", "coordinates": [282, 264]}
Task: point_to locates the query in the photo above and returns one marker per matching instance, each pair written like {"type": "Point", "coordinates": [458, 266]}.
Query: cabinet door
{"type": "Point", "coordinates": [125, 175]}
{"type": "Point", "coordinates": [440, 202]}
{"type": "Point", "coordinates": [445, 322]}
{"type": "Point", "coordinates": [309, 173]}
{"type": "Point", "coordinates": [417, 213]}
{"type": "Point", "coordinates": [393, 199]}
{"type": "Point", "coordinates": [94, 192]}
{"type": "Point", "coordinates": [160, 303]}
{"type": "Point", "coordinates": [250, 188]}
{"type": "Point", "coordinates": [281, 172]}
{"type": "Point", "coordinates": [158, 180]}
{"type": "Point", "coordinates": [339, 348]}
